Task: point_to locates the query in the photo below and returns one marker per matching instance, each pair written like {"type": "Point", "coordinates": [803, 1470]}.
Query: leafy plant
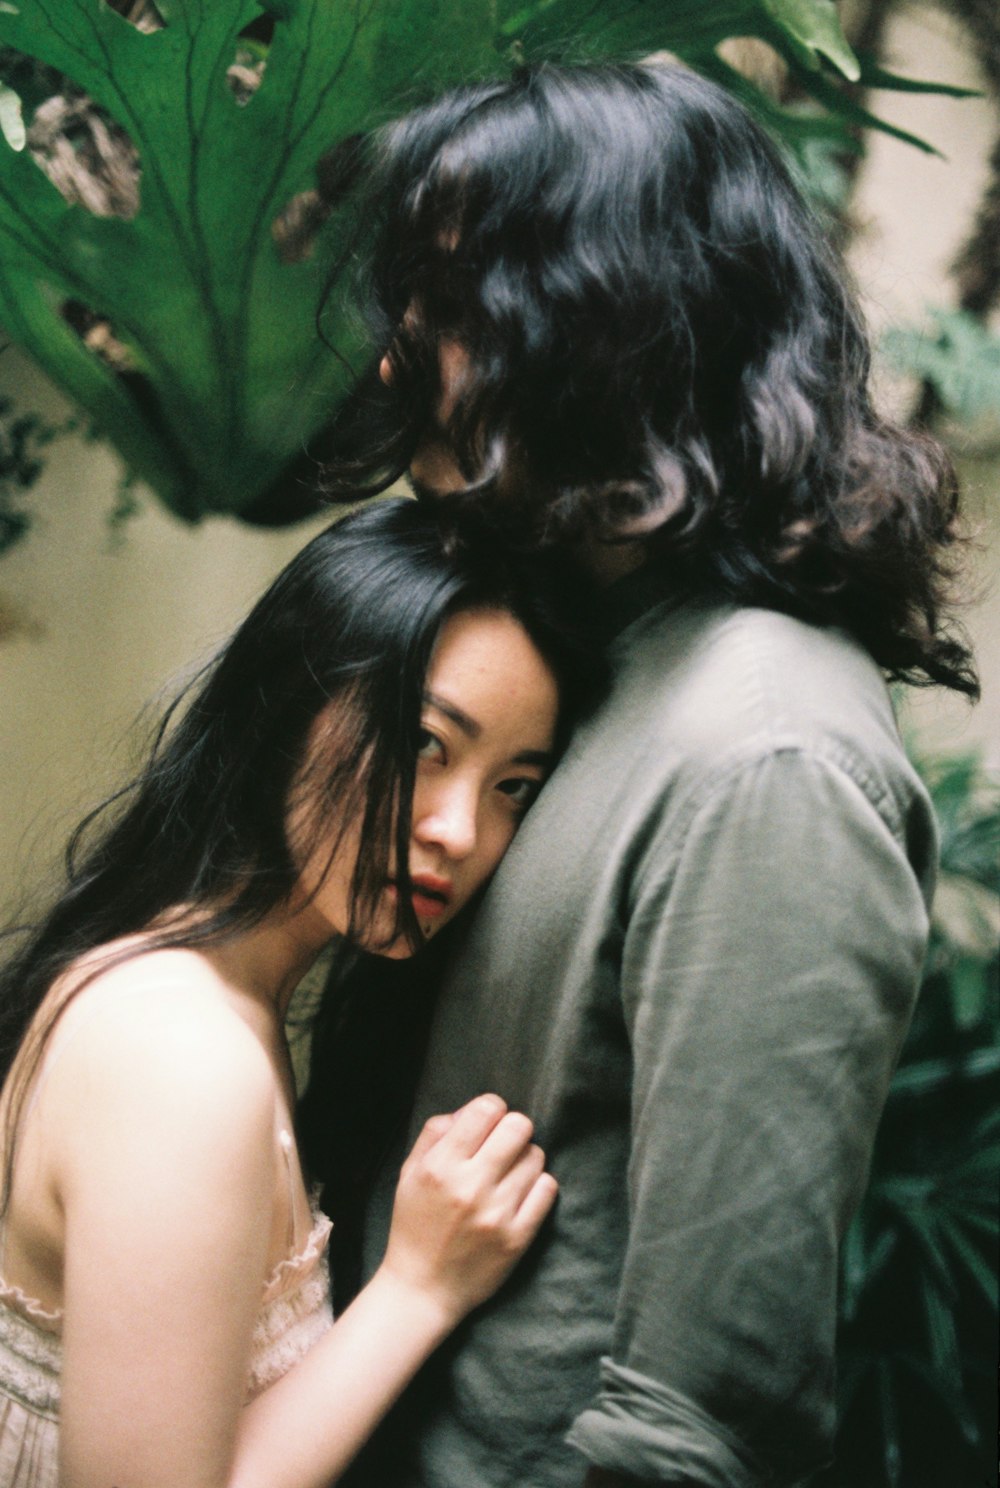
{"type": "Point", "coordinates": [957, 355]}
{"type": "Point", "coordinates": [918, 1320]}
{"type": "Point", "coordinates": [170, 312]}
{"type": "Point", "coordinates": [23, 437]}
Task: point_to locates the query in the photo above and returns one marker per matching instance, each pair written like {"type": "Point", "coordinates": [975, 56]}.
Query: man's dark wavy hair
{"type": "Point", "coordinates": [660, 343]}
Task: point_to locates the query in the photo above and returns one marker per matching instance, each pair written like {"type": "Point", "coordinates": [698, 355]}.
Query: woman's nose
{"type": "Point", "coordinates": [445, 816]}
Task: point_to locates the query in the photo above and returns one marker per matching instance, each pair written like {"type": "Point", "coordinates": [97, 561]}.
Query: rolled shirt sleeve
{"type": "Point", "coordinates": [770, 963]}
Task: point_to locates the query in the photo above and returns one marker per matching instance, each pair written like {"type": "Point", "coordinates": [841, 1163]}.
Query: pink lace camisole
{"type": "Point", "coordinates": [295, 1312]}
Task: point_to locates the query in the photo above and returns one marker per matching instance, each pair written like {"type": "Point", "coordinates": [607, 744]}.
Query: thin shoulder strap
{"type": "Point", "coordinates": [286, 1142]}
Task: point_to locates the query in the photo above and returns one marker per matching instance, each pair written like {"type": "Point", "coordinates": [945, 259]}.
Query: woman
{"type": "Point", "coordinates": [354, 763]}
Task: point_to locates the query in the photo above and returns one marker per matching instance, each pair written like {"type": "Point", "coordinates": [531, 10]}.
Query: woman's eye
{"type": "Point", "coordinates": [520, 791]}
{"type": "Point", "coordinates": [429, 746]}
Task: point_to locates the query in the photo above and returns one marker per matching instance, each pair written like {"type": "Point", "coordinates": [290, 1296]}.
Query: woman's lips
{"type": "Point", "coordinates": [430, 897]}
{"type": "Point", "coordinates": [427, 908]}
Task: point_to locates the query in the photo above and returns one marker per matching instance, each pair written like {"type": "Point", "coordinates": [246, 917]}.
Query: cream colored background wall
{"type": "Point", "coordinates": [105, 627]}
{"type": "Point", "coordinates": [913, 212]}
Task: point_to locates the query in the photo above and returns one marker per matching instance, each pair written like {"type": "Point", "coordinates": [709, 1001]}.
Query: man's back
{"type": "Point", "coordinates": [693, 972]}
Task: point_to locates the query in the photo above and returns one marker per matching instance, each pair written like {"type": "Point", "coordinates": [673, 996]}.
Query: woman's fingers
{"type": "Point", "coordinates": [470, 1199]}
{"type": "Point", "coordinates": [522, 1177]}
{"type": "Point", "coordinates": [536, 1205]}
{"type": "Point", "coordinates": [472, 1124]}
{"type": "Point", "coordinates": [491, 1145]}
{"type": "Point", "coordinates": [432, 1132]}
{"type": "Point", "coordinates": [505, 1145]}
{"type": "Point", "coordinates": [493, 1140]}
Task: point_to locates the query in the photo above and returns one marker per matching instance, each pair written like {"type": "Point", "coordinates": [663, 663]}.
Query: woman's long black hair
{"type": "Point", "coordinates": [196, 848]}
{"type": "Point", "coordinates": [660, 344]}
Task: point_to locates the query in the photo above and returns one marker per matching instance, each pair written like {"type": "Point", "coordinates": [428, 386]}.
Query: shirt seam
{"type": "Point", "coordinates": [701, 796]}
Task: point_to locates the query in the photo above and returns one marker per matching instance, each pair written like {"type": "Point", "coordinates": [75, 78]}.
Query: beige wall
{"type": "Point", "coordinates": [913, 211]}
{"type": "Point", "coordinates": [108, 625]}
{"type": "Point", "coordinates": [116, 625]}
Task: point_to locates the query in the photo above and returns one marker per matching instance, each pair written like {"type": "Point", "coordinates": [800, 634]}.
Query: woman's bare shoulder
{"type": "Point", "coordinates": [158, 1026]}
{"type": "Point", "coordinates": [115, 980]}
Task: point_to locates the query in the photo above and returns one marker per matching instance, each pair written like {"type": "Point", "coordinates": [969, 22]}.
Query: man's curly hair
{"type": "Point", "coordinates": [659, 343]}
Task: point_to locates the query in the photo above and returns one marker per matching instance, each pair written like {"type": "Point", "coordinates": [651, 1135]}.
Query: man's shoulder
{"type": "Point", "coordinates": [702, 686]}
{"type": "Point", "coordinates": [726, 663]}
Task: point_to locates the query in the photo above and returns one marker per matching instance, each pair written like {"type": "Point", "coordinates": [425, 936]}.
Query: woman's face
{"type": "Point", "coordinates": [487, 731]}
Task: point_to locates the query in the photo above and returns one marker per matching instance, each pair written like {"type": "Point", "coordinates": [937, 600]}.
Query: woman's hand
{"type": "Point", "coordinates": [471, 1198]}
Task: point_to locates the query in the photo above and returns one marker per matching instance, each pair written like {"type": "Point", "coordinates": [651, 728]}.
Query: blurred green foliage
{"type": "Point", "coordinates": [918, 1323]}
{"type": "Point", "coordinates": [177, 321]}
{"type": "Point", "coordinates": [23, 439]}
{"type": "Point", "coordinates": [957, 355]}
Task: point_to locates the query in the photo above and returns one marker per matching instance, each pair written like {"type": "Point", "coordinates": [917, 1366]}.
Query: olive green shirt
{"type": "Point", "coordinates": [694, 971]}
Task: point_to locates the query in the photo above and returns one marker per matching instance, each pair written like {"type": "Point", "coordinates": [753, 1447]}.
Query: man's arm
{"type": "Point", "coordinates": [770, 963]}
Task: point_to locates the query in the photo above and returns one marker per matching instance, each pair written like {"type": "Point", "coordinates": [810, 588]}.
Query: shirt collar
{"type": "Point", "coordinates": [635, 593]}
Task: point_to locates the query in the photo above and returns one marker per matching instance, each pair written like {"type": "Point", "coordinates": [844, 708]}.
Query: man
{"type": "Point", "coordinates": [615, 329]}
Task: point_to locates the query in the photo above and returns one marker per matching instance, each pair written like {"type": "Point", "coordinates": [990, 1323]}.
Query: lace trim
{"type": "Point", "coordinates": [287, 1328]}
{"type": "Point", "coordinates": [295, 1313]}
{"type": "Point", "coordinates": [289, 1270]}
{"type": "Point", "coordinates": [29, 1447]}
{"type": "Point", "coordinates": [30, 1309]}
{"type": "Point", "coordinates": [281, 1279]}
{"type": "Point", "coordinates": [30, 1360]}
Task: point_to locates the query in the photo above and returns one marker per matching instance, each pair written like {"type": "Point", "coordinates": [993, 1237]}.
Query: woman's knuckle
{"type": "Point", "coordinates": [510, 1241]}
{"type": "Point", "coordinates": [463, 1196]}
{"type": "Point", "coordinates": [437, 1178]}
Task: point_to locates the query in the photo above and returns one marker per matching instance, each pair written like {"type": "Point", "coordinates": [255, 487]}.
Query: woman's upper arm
{"type": "Point", "coordinates": [160, 1120]}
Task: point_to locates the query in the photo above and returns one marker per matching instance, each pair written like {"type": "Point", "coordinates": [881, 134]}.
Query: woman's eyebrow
{"type": "Point", "coordinates": [468, 725]}
{"type": "Point", "coordinates": [541, 757]}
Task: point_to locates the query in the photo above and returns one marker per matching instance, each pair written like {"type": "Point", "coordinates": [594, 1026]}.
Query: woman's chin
{"type": "Point", "coordinates": [399, 950]}
{"type": "Point", "coordinates": [393, 947]}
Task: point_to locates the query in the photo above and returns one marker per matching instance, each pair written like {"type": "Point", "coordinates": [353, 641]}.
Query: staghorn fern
{"type": "Point", "coordinates": [171, 315]}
